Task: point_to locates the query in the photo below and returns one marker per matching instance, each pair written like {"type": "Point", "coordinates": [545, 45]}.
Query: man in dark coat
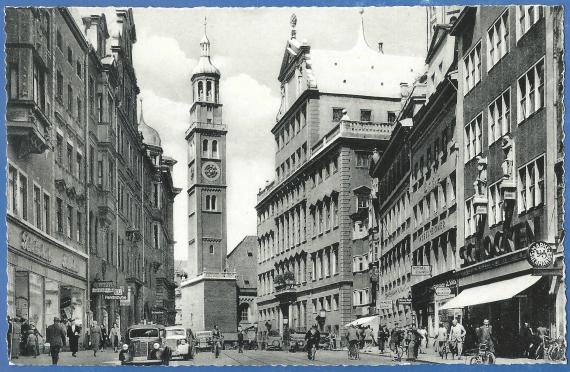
{"type": "Point", "coordinates": [73, 332]}
{"type": "Point", "coordinates": [485, 335]}
{"type": "Point", "coordinates": [55, 336]}
{"type": "Point", "coordinates": [312, 338]}
{"type": "Point", "coordinates": [16, 337]}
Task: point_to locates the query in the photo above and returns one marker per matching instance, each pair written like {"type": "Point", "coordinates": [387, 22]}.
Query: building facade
{"type": "Point", "coordinates": [76, 175]}
{"type": "Point", "coordinates": [243, 261]}
{"type": "Point", "coordinates": [509, 97]}
{"type": "Point", "coordinates": [312, 219]}
{"type": "Point", "coordinates": [208, 296]}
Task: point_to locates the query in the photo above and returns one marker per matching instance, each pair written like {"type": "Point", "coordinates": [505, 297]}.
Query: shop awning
{"type": "Point", "coordinates": [369, 320]}
{"type": "Point", "coordinates": [492, 292]}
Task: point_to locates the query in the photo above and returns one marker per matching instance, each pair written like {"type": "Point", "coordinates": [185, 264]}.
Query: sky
{"type": "Point", "coordinates": [247, 45]}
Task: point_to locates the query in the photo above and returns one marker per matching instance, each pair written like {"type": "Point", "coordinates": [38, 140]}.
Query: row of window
{"type": "Point", "coordinates": [436, 155]}
{"type": "Point", "coordinates": [434, 202]}
{"type": "Point", "coordinates": [359, 263]}
{"type": "Point", "coordinates": [325, 216]}
{"type": "Point", "coordinates": [498, 43]}
{"type": "Point", "coordinates": [292, 128]}
{"type": "Point", "coordinates": [365, 115]}
{"type": "Point", "coordinates": [324, 171]}
{"type": "Point", "coordinates": [210, 149]}
{"type": "Point", "coordinates": [72, 160]}
{"type": "Point", "coordinates": [68, 221]}
{"type": "Point", "coordinates": [285, 201]}
{"type": "Point", "coordinates": [360, 297]}
{"type": "Point", "coordinates": [324, 263]}
{"type": "Point", "coordinates": [289, 166]}
{"type": "Point", "coordinates": [530, 91]}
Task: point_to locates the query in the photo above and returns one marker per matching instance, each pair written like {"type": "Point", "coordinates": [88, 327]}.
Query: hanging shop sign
{"type": "Point", "coordinates": [404, 301]}
{"type": "Point", "coordinates": [548, 271]}
{"type": "Point", "coordinates": [540, 255]}
{"type": "Point", "coordinates": [116, 297]}
{"type": "Point", "coordinates": [106, 286]}
{"type": "Point", "coordinates": [421, 270]}
{"type": "Point", "coordinates": [443, 291]}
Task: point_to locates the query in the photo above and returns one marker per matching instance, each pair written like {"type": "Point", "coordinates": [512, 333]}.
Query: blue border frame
{"type": "Point", "coordinates": [260, 3]}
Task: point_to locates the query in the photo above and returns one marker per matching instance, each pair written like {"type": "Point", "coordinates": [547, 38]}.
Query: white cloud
{"type": "Point", "coordinates": [161, 63]}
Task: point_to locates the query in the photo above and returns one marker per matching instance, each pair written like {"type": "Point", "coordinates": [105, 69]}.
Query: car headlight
{"type": "Point", "coordinates": [125, 347]}
{"type": "Point", "coordinates": [156, 345]}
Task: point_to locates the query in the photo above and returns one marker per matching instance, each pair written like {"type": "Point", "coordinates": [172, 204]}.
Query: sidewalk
{"type": "Point", "coordinates": [431, 356]}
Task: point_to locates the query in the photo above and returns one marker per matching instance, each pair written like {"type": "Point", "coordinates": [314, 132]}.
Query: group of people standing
{"type": "Point", "coordinates": [23, 338]}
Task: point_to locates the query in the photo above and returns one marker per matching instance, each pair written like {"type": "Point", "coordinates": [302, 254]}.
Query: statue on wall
{"type": "Point", "coordinates": [507, 165]}
{"type": "Point", "coordinates": [481, 181]}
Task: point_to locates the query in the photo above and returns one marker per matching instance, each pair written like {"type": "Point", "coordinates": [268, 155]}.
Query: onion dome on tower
{"type": "Point", "coordinates": [205, 65]}
{"type": "Point", "coordinates": [149, 134]}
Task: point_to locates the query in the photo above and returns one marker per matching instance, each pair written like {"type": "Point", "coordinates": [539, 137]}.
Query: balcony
{"type": "Point", "coordinates": [207, 126]}
{"type": "Point", "coordinates": [27, 127]}
{"type": "Point", "coordinates": [356, 129]}
{"type": "Point", "coordinates": [106, 134]}
{"type": "Point", "coordinates": [285, 291]}
{"type": "Point", "coordinates": [106, 206]}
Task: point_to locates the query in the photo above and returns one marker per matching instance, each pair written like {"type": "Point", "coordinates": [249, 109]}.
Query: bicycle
{"type": "Point", "coordinates": [353, 352]}
{"type": "Point", "coordinates": [556, 350]}
{"type": "Point", "coordinates": [484, 355]}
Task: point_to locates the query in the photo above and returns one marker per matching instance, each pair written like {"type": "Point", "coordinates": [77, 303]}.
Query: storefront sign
{"type": "Point", "coordinates": [432, 232]}
{"type": "Point", "coordinates": [34, 246]}
{"type": "Point", "coordinates": [540, 255]}
{"type": "Point", "coordinates": [115, 297]}
{"type": "Point", "coordinates": [385, 305]}
{"type": "Point", "coordinates": [443, 291]}
{"type": "Point", "coordinates": [421, 270]}
{"type": "Point", "coordinates": [404, 301]}
{"type": "Point", "coordinates": [549, 271]}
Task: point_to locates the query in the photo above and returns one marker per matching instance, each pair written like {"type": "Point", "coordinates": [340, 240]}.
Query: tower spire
{"type": "Point", "coordinates": [205, 42]}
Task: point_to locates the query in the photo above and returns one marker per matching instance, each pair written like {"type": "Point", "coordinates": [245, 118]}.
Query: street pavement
{"type": "Point", "coordinates": [259, 357]}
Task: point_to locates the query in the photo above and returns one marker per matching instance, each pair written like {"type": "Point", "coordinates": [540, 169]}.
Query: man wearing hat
{"type": "Point", "coordinates": [55, 336]}
{"type": "Point", "coordinates": [73, 332]}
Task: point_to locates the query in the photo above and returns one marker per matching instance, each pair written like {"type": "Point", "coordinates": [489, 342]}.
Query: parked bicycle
{"type": "Point", "coordinates": [556, 350]}
{"type": "Point", "coordinates": [484, 355]}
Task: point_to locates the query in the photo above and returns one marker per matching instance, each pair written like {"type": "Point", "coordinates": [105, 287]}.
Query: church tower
{"type": "Point", "coordinates": [206, 138]}
{"type": "Point", "coordinates": [209, 295]}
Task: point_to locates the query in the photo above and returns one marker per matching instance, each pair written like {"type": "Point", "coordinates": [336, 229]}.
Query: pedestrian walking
{"type": "Point", "coordinates": [396, 339]}
{"type": "Point", "coordinates": [382, 338]}
{"type": "Point", "coordinates": [353, 337]}
{"type": "Point", "coordinates": [332, 339]}
{"type": "Point", "coordinates": [240, 339]}
{"type": "Point", "coordinates": [441, 339]}
{"type": "Point", "coordinates": [368, 338]}
{"type": "Point", "coordinates": [457, 337]}
{"type": "Point", "coordinates": [23, 341]}
{"type": "Point", "coordinates": [525, 336]}
{"type": "Point", "coordinates": [413, 340]}
{"type": "Point", "coordinates": [9, 336]}
{"type": "Point", "coordinates": [485, 335]}
{"type": "Point", "coordinates": [423, 341]}
{"type": "Point", "coordinates": [73, 332]}
{"type": "Point", "coordinates": [104, 337]}
{"type": "Point", "coordinates": [33, 341]}
{"type": "Point", "coordinates": [55, 336]}
{"type": "Point", "coordinates": [115, 337]}
{"type": "Point", "coordinates": [96, 334]}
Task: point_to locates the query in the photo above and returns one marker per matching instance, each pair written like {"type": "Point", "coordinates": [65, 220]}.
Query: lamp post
{"type": "Point", "coordinates": [321, 318]}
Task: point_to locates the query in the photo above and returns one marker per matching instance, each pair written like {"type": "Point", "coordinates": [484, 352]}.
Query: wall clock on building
{"type": "Point", "coordinates": [211, 171]}
{"type": "Point", "coordinates": [540, 255]}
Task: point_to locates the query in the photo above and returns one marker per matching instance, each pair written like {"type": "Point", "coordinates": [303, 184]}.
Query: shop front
{"type": "Point", "coordinates": [508, 301]}
{"type": "Point", "coordinates": [45, 278]}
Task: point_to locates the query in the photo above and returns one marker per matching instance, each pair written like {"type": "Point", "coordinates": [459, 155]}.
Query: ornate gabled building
{"type": "Point", "coordinates": [312, 245]}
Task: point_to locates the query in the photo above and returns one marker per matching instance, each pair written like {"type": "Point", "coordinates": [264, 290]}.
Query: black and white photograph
{"type": "Point", "coordinates": [300, 186]}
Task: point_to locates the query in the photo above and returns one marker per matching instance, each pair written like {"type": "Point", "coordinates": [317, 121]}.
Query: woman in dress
{"type": "Point", "coordinates": [96, 334]}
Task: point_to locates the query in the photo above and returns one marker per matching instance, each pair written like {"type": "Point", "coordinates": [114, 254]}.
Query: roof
{"type": "Point", "coordinates": [142, 326]}
{"type": "Point", "coordinates": [363, 70]}
{"type": "Point", "coordinates": [150, 135]}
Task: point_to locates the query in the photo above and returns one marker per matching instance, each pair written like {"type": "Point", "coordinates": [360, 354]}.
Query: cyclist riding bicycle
{"type": "Point", "coordinates": [312, 339]}
{"type": "Point", "coordinates": [217, 339]}
{"type": "Point", "coordinates": [353, 339]}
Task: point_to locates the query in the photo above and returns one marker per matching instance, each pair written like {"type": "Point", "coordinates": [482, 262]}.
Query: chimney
{"type": "Point", "coordinates": [404, 91]}
{"type": "Point", "coordinates": [381, 47]}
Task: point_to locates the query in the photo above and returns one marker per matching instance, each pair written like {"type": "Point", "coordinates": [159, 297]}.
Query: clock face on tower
{"type": "Point", "coordinates": [211, 171]}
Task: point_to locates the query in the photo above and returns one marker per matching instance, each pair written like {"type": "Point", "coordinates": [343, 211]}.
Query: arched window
{"type": "Point", "coordinates": [200, 91]}
{"type": "Point", "coordinates": [213, 202]}
{"type": "Point", "coordinates": [215, 149]}
{"type": "Point", "coordinates": [208, 90]}
{"type": "Point", "coordinates": [207, 202]}
{"type": "Point", "coordinates": [205, 148]}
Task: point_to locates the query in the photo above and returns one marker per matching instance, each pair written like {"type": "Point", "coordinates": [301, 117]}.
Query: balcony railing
{"type": "Point", "coordinates": [204, 125]}
{"type": "Point", "coordinates": [356, 129]}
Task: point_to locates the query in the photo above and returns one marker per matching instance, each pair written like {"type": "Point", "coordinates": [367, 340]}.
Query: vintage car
{"type": "Point", "coordinates": [145, 344]}
{"type": "Point", "coordinates": [274, 341]}
{"type": "Point", "coordinates": [203, 340]}
{"type": "Point", "coordinates": [181, 341]}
